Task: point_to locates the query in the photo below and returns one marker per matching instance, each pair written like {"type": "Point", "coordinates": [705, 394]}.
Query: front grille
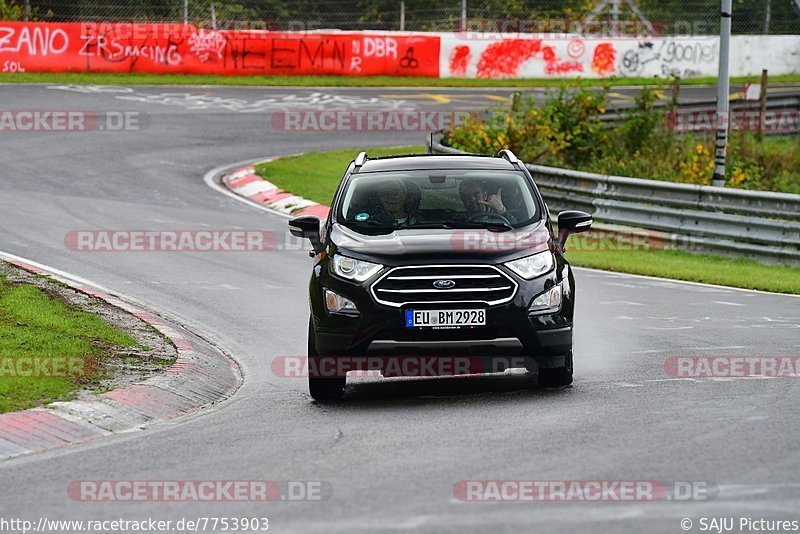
{"type": "Point", "coordinates": [474, 284]}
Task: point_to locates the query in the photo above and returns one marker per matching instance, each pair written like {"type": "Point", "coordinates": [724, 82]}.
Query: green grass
{"type": "Point", "coordinates": [316, 175]}
{"type": "Point", "coordinates": [680, 265]}
{"type": "Point", "coordinates": [342, 81]}
{"type": "Point", "coordinates": [33, 324]}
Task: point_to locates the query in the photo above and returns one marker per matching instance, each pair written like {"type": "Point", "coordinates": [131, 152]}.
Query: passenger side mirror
{"type": "Point", "coordinates": [307, 228]}
{"type": "Point", "coordinates": [572, 222]}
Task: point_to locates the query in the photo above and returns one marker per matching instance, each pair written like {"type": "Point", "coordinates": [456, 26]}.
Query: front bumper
{"type": "Point", "coordinates": [511, 331]}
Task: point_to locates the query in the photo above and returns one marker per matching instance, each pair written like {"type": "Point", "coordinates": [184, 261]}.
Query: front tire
{"type": "Point", "coordinates": [558, 376]}
{"type": "Point", "coordinates": [321, 389]}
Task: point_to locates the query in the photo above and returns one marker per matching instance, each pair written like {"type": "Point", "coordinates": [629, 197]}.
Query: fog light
{"type": "Point", "coordinates": [338, 304]}
{"type": "Point", "coordinates": [547, 302]}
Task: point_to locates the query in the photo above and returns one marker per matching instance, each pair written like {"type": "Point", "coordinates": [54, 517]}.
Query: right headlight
{"type": "Point", "coordinates": [353, 269]}
{"type": "Point", "coordinates": [532, 266]}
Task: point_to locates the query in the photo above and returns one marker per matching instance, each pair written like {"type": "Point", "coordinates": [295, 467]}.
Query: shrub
{"type": "Point", "coordinates": [566, 131]}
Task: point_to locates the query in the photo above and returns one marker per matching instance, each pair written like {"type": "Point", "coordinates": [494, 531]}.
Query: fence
{"type": "Point", "coordinates": [756, 224]}
{"type": "Point", "coordinates": [662, 17]}
{"type": "Point", "coordinates": [698, 116]}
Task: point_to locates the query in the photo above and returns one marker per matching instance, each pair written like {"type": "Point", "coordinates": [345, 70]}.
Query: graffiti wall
{"type": "Point", "coordinates": [174, 48]}
{"type": "Point", "coordinates": [181, 49]}
{"type": "Point", "coordinates": [569, 56]}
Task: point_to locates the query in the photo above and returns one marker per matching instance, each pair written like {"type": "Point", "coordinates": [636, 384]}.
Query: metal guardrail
{"type": "Point", "coordinates": [776, 105]}
{"type": "Point", "coordinates": [758, 224]}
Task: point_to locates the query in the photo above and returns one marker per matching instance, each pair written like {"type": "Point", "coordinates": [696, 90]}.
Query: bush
{"type": "Point", "coordinates": [567, 127]}
{"type": "Point", "coordinates": [10, 10]}
{"type": "Point", "coordinates": [566, 131]}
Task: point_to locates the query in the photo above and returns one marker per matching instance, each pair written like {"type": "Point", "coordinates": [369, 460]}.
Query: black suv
{"type": "Point", "coordinates": [431, 256]}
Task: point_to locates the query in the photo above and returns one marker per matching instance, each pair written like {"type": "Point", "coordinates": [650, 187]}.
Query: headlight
{"type": "Point", "coordinates": [532, 266]}
{"type": "Point", "coordinates": [353, 269]}
{"type": "Point", "coordinates": [547, 302]}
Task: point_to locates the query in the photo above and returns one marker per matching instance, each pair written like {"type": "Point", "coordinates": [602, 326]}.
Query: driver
{"type": "Point", "coordinates": [393, 201]}
{"type": "Point", "coordinates": [477, 200]}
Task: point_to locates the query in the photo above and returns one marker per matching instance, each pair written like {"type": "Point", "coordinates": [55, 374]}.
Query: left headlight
{"type": "Point", "coordinates": [353, 269]}
{"type": "Point", "coordinates": [532, 266]}
{"type": "Point", "coordinates": [547, 302]}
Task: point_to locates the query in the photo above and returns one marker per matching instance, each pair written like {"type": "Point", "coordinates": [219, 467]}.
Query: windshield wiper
{"type": "Point", "coordinates": [448, 226]}
{"type": "Point", "coordinates": [492, 226]}
{"type": "Point", "coordinates": [376, 226]}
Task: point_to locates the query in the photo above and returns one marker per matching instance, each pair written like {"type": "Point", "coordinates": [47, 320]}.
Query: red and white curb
{"type": "Point", "coordinates": [246, 183]}
{"type": "Point", "coordinates": [201, 376]}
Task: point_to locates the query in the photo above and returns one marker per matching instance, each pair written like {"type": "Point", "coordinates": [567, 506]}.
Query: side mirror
{"type": "Point", "coordinates": [572, 222]}
{"type": "Point", "coordinates": [307, 228]}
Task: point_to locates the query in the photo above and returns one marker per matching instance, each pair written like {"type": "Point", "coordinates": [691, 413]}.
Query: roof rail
{"type": "Point", "coordinates": [360, 159]}
{"type": "Point", "coordinates": [507, 154]}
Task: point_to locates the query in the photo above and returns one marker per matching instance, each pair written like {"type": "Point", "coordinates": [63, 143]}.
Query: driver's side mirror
{"type": "Point", "coordinates": [572, 222]}
{"type": "Point", "coordinates": [307, 228]}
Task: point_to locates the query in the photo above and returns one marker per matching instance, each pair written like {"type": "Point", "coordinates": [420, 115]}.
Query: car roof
{"type": "Point", "coordinates": [432, 162]}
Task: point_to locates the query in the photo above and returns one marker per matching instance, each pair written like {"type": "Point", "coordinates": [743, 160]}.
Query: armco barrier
{"type": "Point", "coordinates": [757, 224]}
{"type": "Point", "coordinates": [184, 49]}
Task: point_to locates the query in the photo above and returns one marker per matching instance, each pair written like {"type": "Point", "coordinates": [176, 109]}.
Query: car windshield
{"type": "Point", "coordinates": [379, 202]}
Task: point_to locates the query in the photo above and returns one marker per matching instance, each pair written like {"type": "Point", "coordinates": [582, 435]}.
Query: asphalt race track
{"type": "Point", "coordinates": [393, 450]}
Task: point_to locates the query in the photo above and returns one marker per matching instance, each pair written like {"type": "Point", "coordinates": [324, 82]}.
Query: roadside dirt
{"type": "Point", "coordinates": [122, 366]}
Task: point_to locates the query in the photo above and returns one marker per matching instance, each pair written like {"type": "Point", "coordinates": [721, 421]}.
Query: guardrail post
{"type": "Point", "coordinates": [763, 103]}
{"type": "Point", "coordinates": [673, 113]}
{"type": "Point", "coordinates": [723, 94]}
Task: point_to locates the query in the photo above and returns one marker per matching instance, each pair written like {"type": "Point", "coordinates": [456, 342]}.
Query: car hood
{"type": "Point", "coordinates": [468, 245]}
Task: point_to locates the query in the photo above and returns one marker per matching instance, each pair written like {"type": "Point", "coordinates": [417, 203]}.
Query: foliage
{"type": "Point", "coordinates": [566, 127]}
{"type": "Point", "coordinates": [671, 17]}
{"type": "Point", "coordinates": [10, 10]}
{"type": "Point", "coordinates": [566, 131]}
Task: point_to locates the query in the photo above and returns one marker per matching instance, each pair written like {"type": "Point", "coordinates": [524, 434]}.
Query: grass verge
{"type": "Point", "coordinates": [344, 81]}
{"type": "Point", "coordinates": [48, 349]}
{"type": "Point", "coordinates": [679, 265]}
{"type": "Point", "coordinates": [316, 175]}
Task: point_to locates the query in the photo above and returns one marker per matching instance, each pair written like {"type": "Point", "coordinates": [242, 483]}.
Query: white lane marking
{"type": "Point", "coordinates": [621, 284]}
{"type": "Point", "coordinates": [672, 380]}
{"type": "Point", "coordinates": [668, 327]}
{"type": "Point", "coordinates": [682, 283]}
{"type": "Point", "coordinates": [725, 303]}
{"type": "Point", "coordinates": [226, 287]}
{"type": "Point", "coordinates": [718, 348]}
{"type": "Point", "coordinates": [624, 302]}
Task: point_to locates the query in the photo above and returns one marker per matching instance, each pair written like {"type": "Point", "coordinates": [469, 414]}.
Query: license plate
{"type": "Point", "coordinates": [445, 318]}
